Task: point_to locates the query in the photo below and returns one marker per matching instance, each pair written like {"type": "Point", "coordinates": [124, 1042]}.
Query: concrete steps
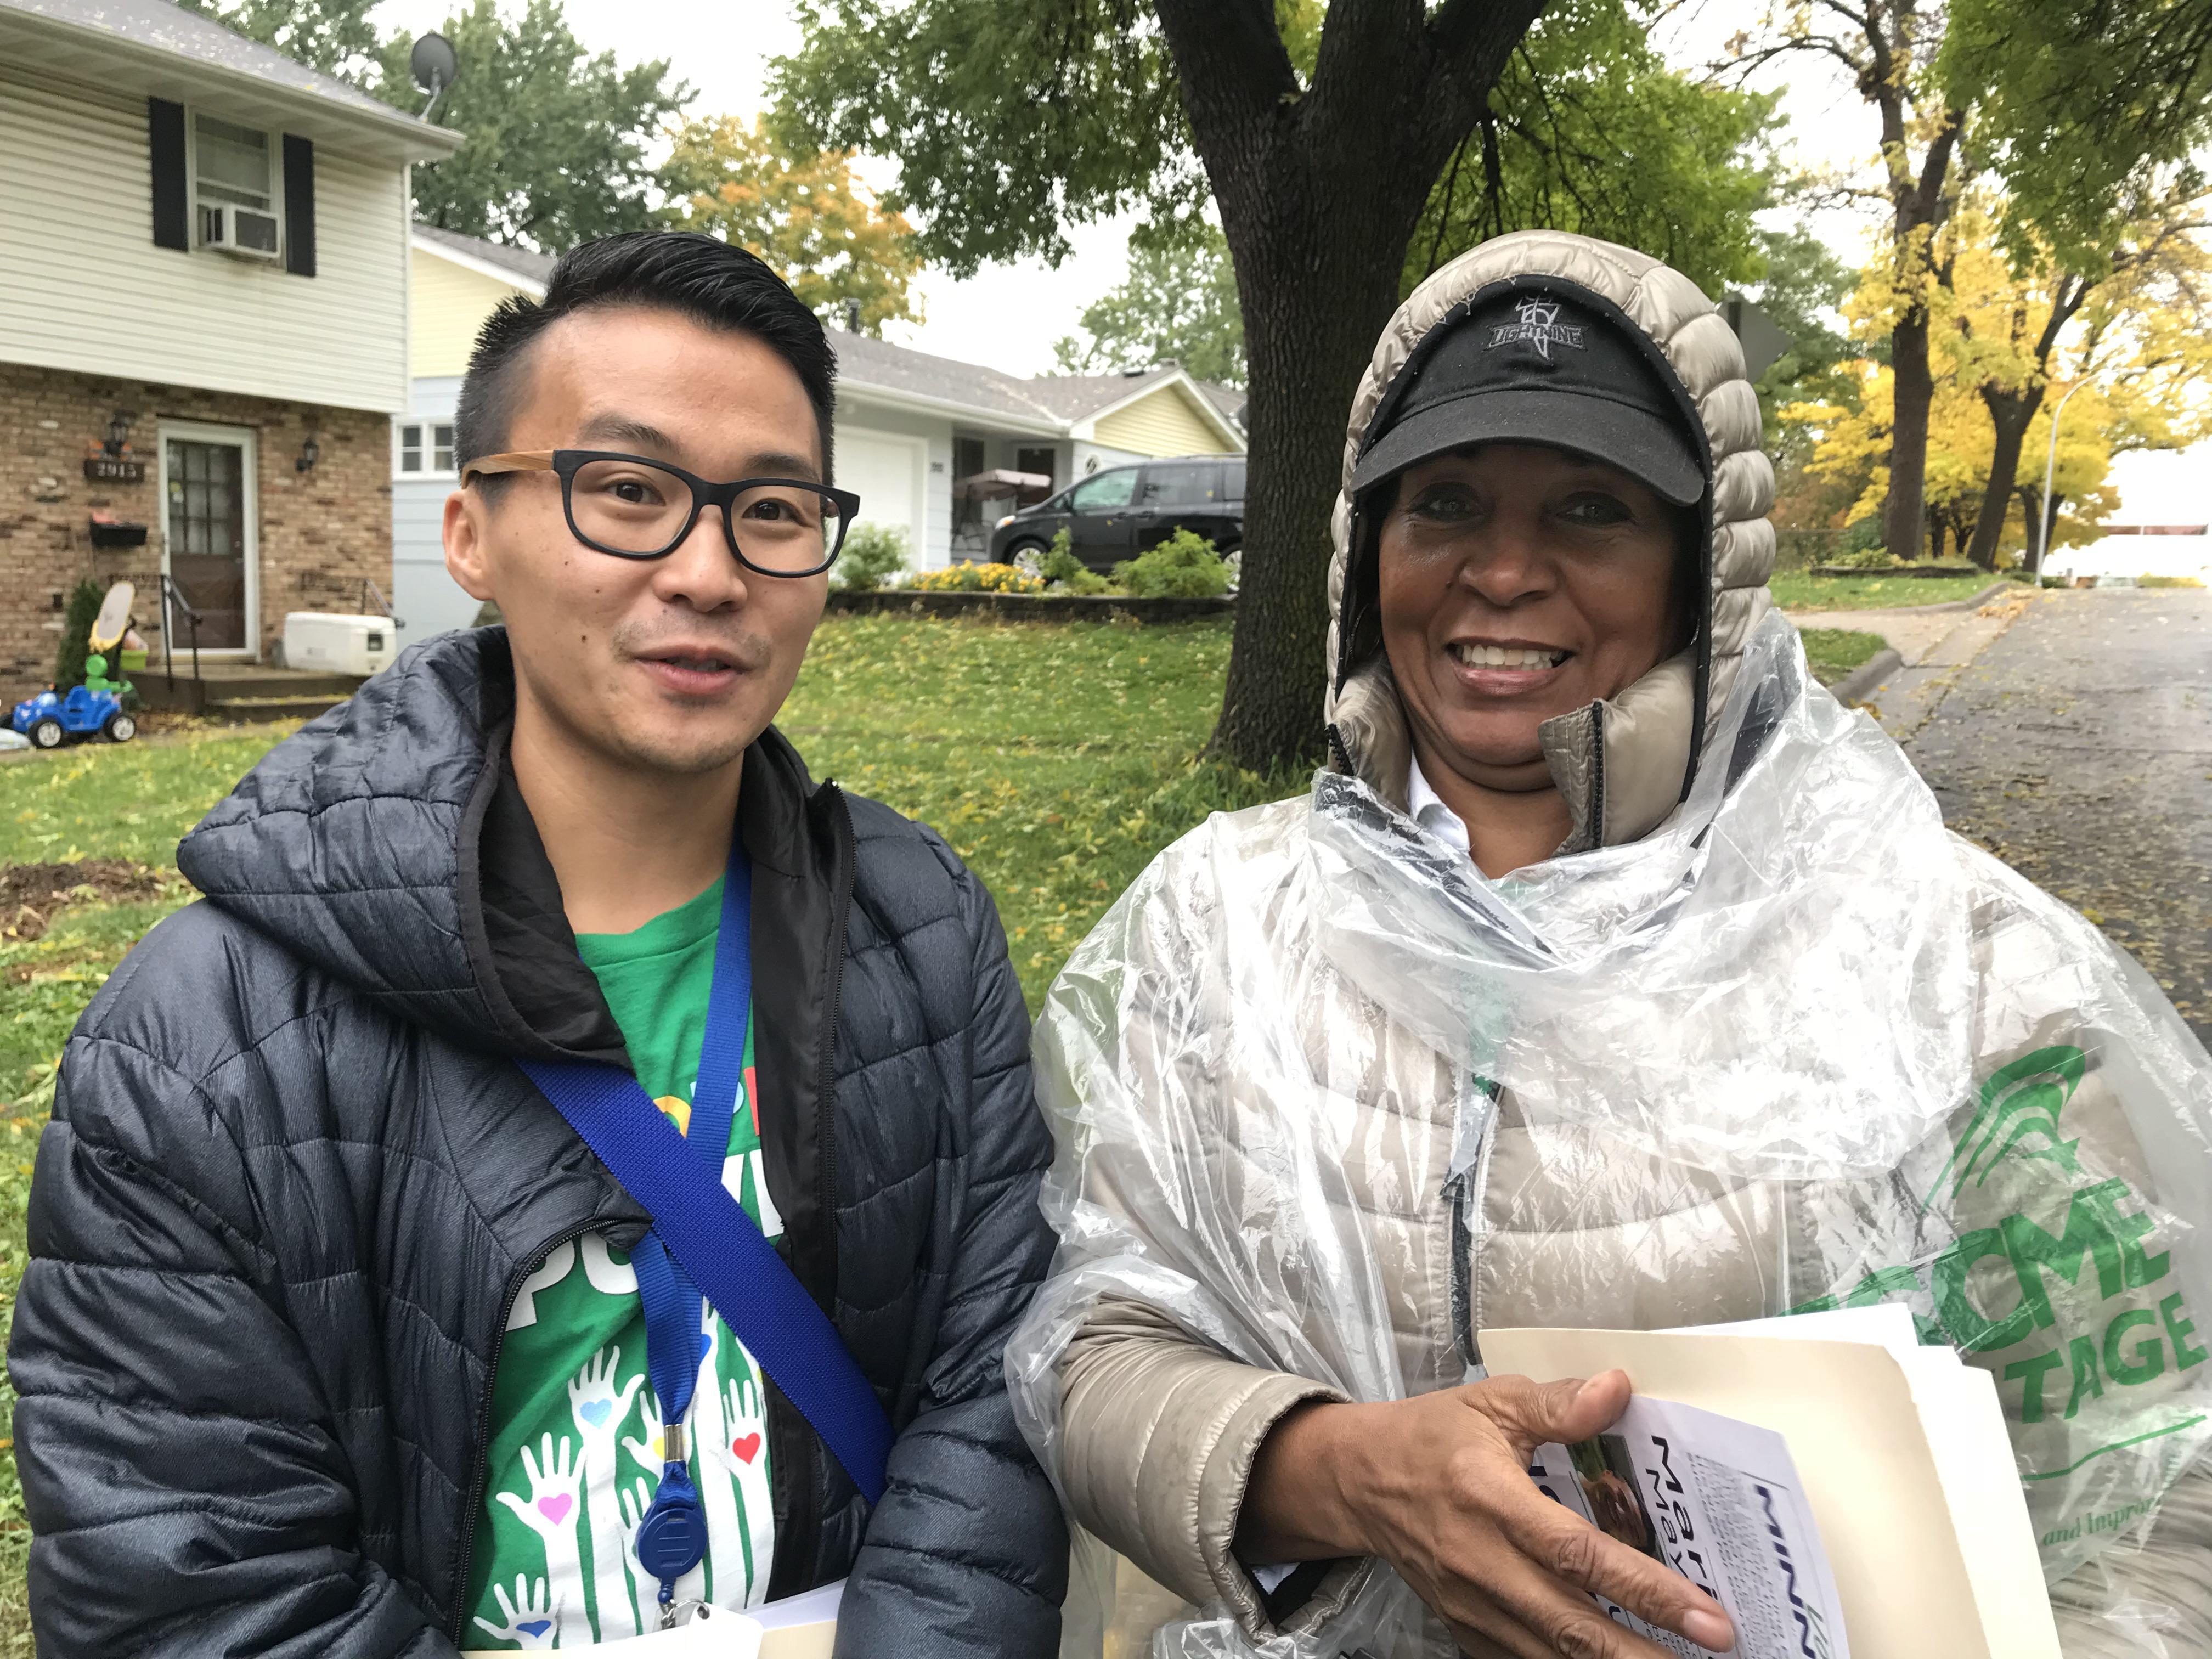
{"type": "Point", "coordinates": [244, 691]}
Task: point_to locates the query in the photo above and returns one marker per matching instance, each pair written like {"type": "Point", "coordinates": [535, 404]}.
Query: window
{"type": "Point", "coordinates": [967, 457]}
{"type": "Point", "coordinates": [1180, 483]}
{"type": "Point", "coordinates": [1232, 482]}
{"type": "Point", "coordinates": [1038, 462]}
{"type": "Point", "coordinates": [1106, 492]}
{"type": "Point", "coordinates": [426, 449]}
{"type": "Point", "coordinates": [234, 185]}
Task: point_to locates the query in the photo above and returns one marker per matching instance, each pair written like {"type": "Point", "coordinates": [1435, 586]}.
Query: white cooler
{"type": "Point", "coordinates": [325, 641]}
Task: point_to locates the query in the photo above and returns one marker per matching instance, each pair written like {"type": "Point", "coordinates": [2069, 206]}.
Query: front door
{"type": "Point", "coordinates": [208, 549]}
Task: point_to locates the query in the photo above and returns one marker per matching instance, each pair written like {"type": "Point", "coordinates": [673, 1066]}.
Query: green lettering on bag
{"type": "Point", "coordinates": [2023, 1098]}
{"type": "Point", "coordinates": [2185, 1355]}
{"type": "Point", "coordinates": [2033, 1250]}
{"type": "Point", "coordinates": [1965, 1324]}
{"type": "Point", "coordinates": [2032, 1371]}
{"type": "Point", "coordinates": [2150, 1359]}
{"type": "Point", "coordinates": [2083, 1353]}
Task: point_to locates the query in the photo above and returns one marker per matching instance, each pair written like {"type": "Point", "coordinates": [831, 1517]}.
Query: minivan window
{"type": "Point", "coordinates": [1182, 484]}
{"type": "Point", "coordinates": [1105, 492]}
{"type": "Point", "coordinates": [1233, 482]}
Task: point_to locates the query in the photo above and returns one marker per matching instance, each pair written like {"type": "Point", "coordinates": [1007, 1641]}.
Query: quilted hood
{"type": "Point", "coordinates": [1622, 763]}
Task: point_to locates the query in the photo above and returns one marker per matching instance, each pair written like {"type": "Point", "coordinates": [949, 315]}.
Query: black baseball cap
{"type": "Point", "coordinates": [1537, 366]}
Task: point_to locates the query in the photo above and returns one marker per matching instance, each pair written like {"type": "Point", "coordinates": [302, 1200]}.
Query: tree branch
{"type": "Point", "coordinates": [1230, 57]}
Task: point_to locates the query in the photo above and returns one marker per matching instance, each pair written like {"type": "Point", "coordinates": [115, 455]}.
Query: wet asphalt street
{"type": "Point", "coordinates": [2077, 746]}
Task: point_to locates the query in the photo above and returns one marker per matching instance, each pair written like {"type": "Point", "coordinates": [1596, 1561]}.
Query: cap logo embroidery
{"type": "Point", "coordinates": [1541, 326]}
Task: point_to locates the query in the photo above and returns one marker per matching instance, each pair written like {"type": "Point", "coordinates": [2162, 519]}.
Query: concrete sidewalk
{"type": "Point", "coordinates": [2078, 749]}
{"type": "Point", "coordinates": [1933, 645]}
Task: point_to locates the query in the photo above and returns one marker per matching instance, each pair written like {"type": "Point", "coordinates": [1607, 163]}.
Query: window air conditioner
{"type": "Point", "coordinates": [245, 232]}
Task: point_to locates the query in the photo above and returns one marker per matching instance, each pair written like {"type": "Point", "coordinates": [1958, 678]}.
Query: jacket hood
{"type": "Point", "coordinates": [345, 845]}
{"type": "Point", "coordinates": [1625, 762]}
{"type": "Point", "coordinates": [386, 843]}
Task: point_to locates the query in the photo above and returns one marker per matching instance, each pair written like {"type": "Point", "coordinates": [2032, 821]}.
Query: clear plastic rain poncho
{"type": "Point", "coordinates": [1800, 1047]}
{"type": "Point", "coordinates": [1330, 1103]}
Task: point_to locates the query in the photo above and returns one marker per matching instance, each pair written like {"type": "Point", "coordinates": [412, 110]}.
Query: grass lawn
{"type": "Point", "coordinates": [1056, 759]}
{"type": "Point", "coordinates": [1832, 653]}
{"type": "Point", "coordinates": [1799, 590]}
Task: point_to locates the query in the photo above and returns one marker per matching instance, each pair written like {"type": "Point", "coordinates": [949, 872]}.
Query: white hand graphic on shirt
{"type": "Point", "coordinates": [649, 1451]}
{"type": "Point", "coordinates": [599, 1412]}
{"type": "Point", "coordinates": [552, 1513]}
{"type": "Point", "coordinates": [533, 1621]}
{"type": "Point", "coordinates": [741, 1451]}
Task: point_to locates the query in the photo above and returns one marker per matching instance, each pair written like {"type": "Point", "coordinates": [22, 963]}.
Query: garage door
{"type": "Point", "coordinates": [883, 471]}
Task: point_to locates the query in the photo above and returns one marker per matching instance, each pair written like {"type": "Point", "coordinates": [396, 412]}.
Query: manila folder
{"type": "Point", "coordinates": [1897, 1534]}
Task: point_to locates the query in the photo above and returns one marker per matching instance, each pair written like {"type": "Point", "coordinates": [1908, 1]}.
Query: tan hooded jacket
{"type": "Point", "coordinates": [1278, 1183]}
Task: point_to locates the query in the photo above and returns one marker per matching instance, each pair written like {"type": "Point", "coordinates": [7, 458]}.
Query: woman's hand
{"type": "Point", "coordinates": [1439, 1487]}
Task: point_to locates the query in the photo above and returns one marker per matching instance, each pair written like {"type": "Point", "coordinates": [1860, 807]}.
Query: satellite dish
{"type": "Point", "coordinates": [433, 65]}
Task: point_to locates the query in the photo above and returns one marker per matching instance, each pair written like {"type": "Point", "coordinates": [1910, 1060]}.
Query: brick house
{"type": "Point", "coordinates": [203, 294]}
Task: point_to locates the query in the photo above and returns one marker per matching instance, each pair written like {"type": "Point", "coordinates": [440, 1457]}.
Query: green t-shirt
{"type": "Point", "coordinates": [575, 1431]}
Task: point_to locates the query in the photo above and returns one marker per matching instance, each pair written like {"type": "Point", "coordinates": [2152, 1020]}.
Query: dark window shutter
{"type": "Point", "coordinates": [299, 205]}
{"type": "Point", "coordinates": [165, 145]}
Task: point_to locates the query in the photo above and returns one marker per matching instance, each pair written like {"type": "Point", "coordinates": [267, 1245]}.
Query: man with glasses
{"type": "Point", "coordinates": [337, 1337]}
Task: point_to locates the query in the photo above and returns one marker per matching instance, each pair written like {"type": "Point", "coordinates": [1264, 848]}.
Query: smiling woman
{"type": "Point", "coordinates": [1517, 583]}
{"type": "Point", "coordinates": [1612, 977]}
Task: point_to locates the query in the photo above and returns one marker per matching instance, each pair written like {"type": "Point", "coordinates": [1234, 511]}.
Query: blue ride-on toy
{"type": "Point", "coordinates": [50, 717]}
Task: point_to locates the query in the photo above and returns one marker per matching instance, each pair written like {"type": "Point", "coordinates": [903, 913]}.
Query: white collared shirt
{"type": "Point", "coordinates": [1427, 809]}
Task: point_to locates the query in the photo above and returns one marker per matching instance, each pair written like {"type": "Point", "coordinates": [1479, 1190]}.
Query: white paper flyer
{"type": "Point", "coordinates": [1718, 1501]}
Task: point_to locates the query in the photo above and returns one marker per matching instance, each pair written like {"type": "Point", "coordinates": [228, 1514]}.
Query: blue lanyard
{"type": "Point", "coordinates": [671, 1537]}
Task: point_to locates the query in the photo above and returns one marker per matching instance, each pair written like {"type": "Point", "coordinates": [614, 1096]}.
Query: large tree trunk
{"type": "Point", "coordinates": [2009, 415]}
{"type": "Point", "coordinates": [1903, 512]}
{"type": "Point", "coordinates": [1319, 189]}
{"type": "Point", "coordinates": [1307, 341]}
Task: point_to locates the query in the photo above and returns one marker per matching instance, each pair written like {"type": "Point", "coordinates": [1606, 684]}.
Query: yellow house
{"type": "Point", "coordinates": [909, 425]}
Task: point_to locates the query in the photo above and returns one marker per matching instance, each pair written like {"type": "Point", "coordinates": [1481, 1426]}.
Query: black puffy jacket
{"type": "Point", "coordinates": [294, 1183]}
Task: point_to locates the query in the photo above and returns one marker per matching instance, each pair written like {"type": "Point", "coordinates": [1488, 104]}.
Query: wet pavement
{"type": "Point", "coordinates": [2076, 745]}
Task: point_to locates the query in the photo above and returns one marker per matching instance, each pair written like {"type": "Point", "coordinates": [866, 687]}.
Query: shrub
{"type": "Point", "coordinates": [873, 554]}
{"type": "Point", "coordinates": [1060, 563]}
{"type": "Point", "coordinates": [975, 578]}
{"type": "Point", "coordinates": [2169, 581]}
{"type": "Point", "coordinates": [1868, 558]}
{"type": "Point", "coordinates": [76, 632]}
{"type": "Point", "coordinates": [1064, 572]}
{"type": "Point", "coordinates": [1183, 566]}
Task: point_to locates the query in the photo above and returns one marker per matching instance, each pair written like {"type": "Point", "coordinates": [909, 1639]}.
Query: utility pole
{"type": "Point", "coordinates": [2050, 466]}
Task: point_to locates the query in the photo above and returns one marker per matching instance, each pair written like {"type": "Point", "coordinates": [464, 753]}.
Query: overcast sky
{"type": "Point", "coordinates": [1008, 316]}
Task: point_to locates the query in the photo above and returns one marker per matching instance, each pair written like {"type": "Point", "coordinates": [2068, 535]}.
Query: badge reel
{"type": "Point", "coordinates": [671, 1538]}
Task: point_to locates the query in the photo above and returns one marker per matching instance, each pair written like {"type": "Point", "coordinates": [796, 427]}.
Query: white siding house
{"type": "Point", "coordinates": [203, 290]}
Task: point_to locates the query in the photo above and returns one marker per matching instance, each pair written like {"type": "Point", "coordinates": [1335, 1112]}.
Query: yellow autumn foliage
{"type": "Point", "coordinates": [807, 216]}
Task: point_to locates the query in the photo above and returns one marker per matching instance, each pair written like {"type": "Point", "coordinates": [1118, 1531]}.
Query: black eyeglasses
{"type": "Point", "coordinates": [636, 508]}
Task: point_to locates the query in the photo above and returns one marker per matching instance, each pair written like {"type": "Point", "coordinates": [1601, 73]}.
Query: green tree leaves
{"type": "Point", "coordinates": [557, 137]}
{"type": "Point", "coordinates": [2087, 109]}
{"type": "Point", "coordinates": [1589, 131]}
{"type": "Point", "coordinates": [556, 150]}
{"type": "Point", "coordinates": [1011, 118]}
{"type": "Point", "coordinates": [1179, 300]}
{"type": "Point", "coordinates": [805, 214]}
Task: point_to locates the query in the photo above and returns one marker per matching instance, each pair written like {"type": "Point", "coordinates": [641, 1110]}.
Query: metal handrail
{"type": "Point", "coordinates": [172, 599]}
{"type": "Point", "coordinates": [365, 592]}
{"type": "Point", "coordinates": [383, 606]}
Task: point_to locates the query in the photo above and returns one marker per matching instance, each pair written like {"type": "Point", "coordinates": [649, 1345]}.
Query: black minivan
{"type": "Point", "coordinates": [1118, 511]}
